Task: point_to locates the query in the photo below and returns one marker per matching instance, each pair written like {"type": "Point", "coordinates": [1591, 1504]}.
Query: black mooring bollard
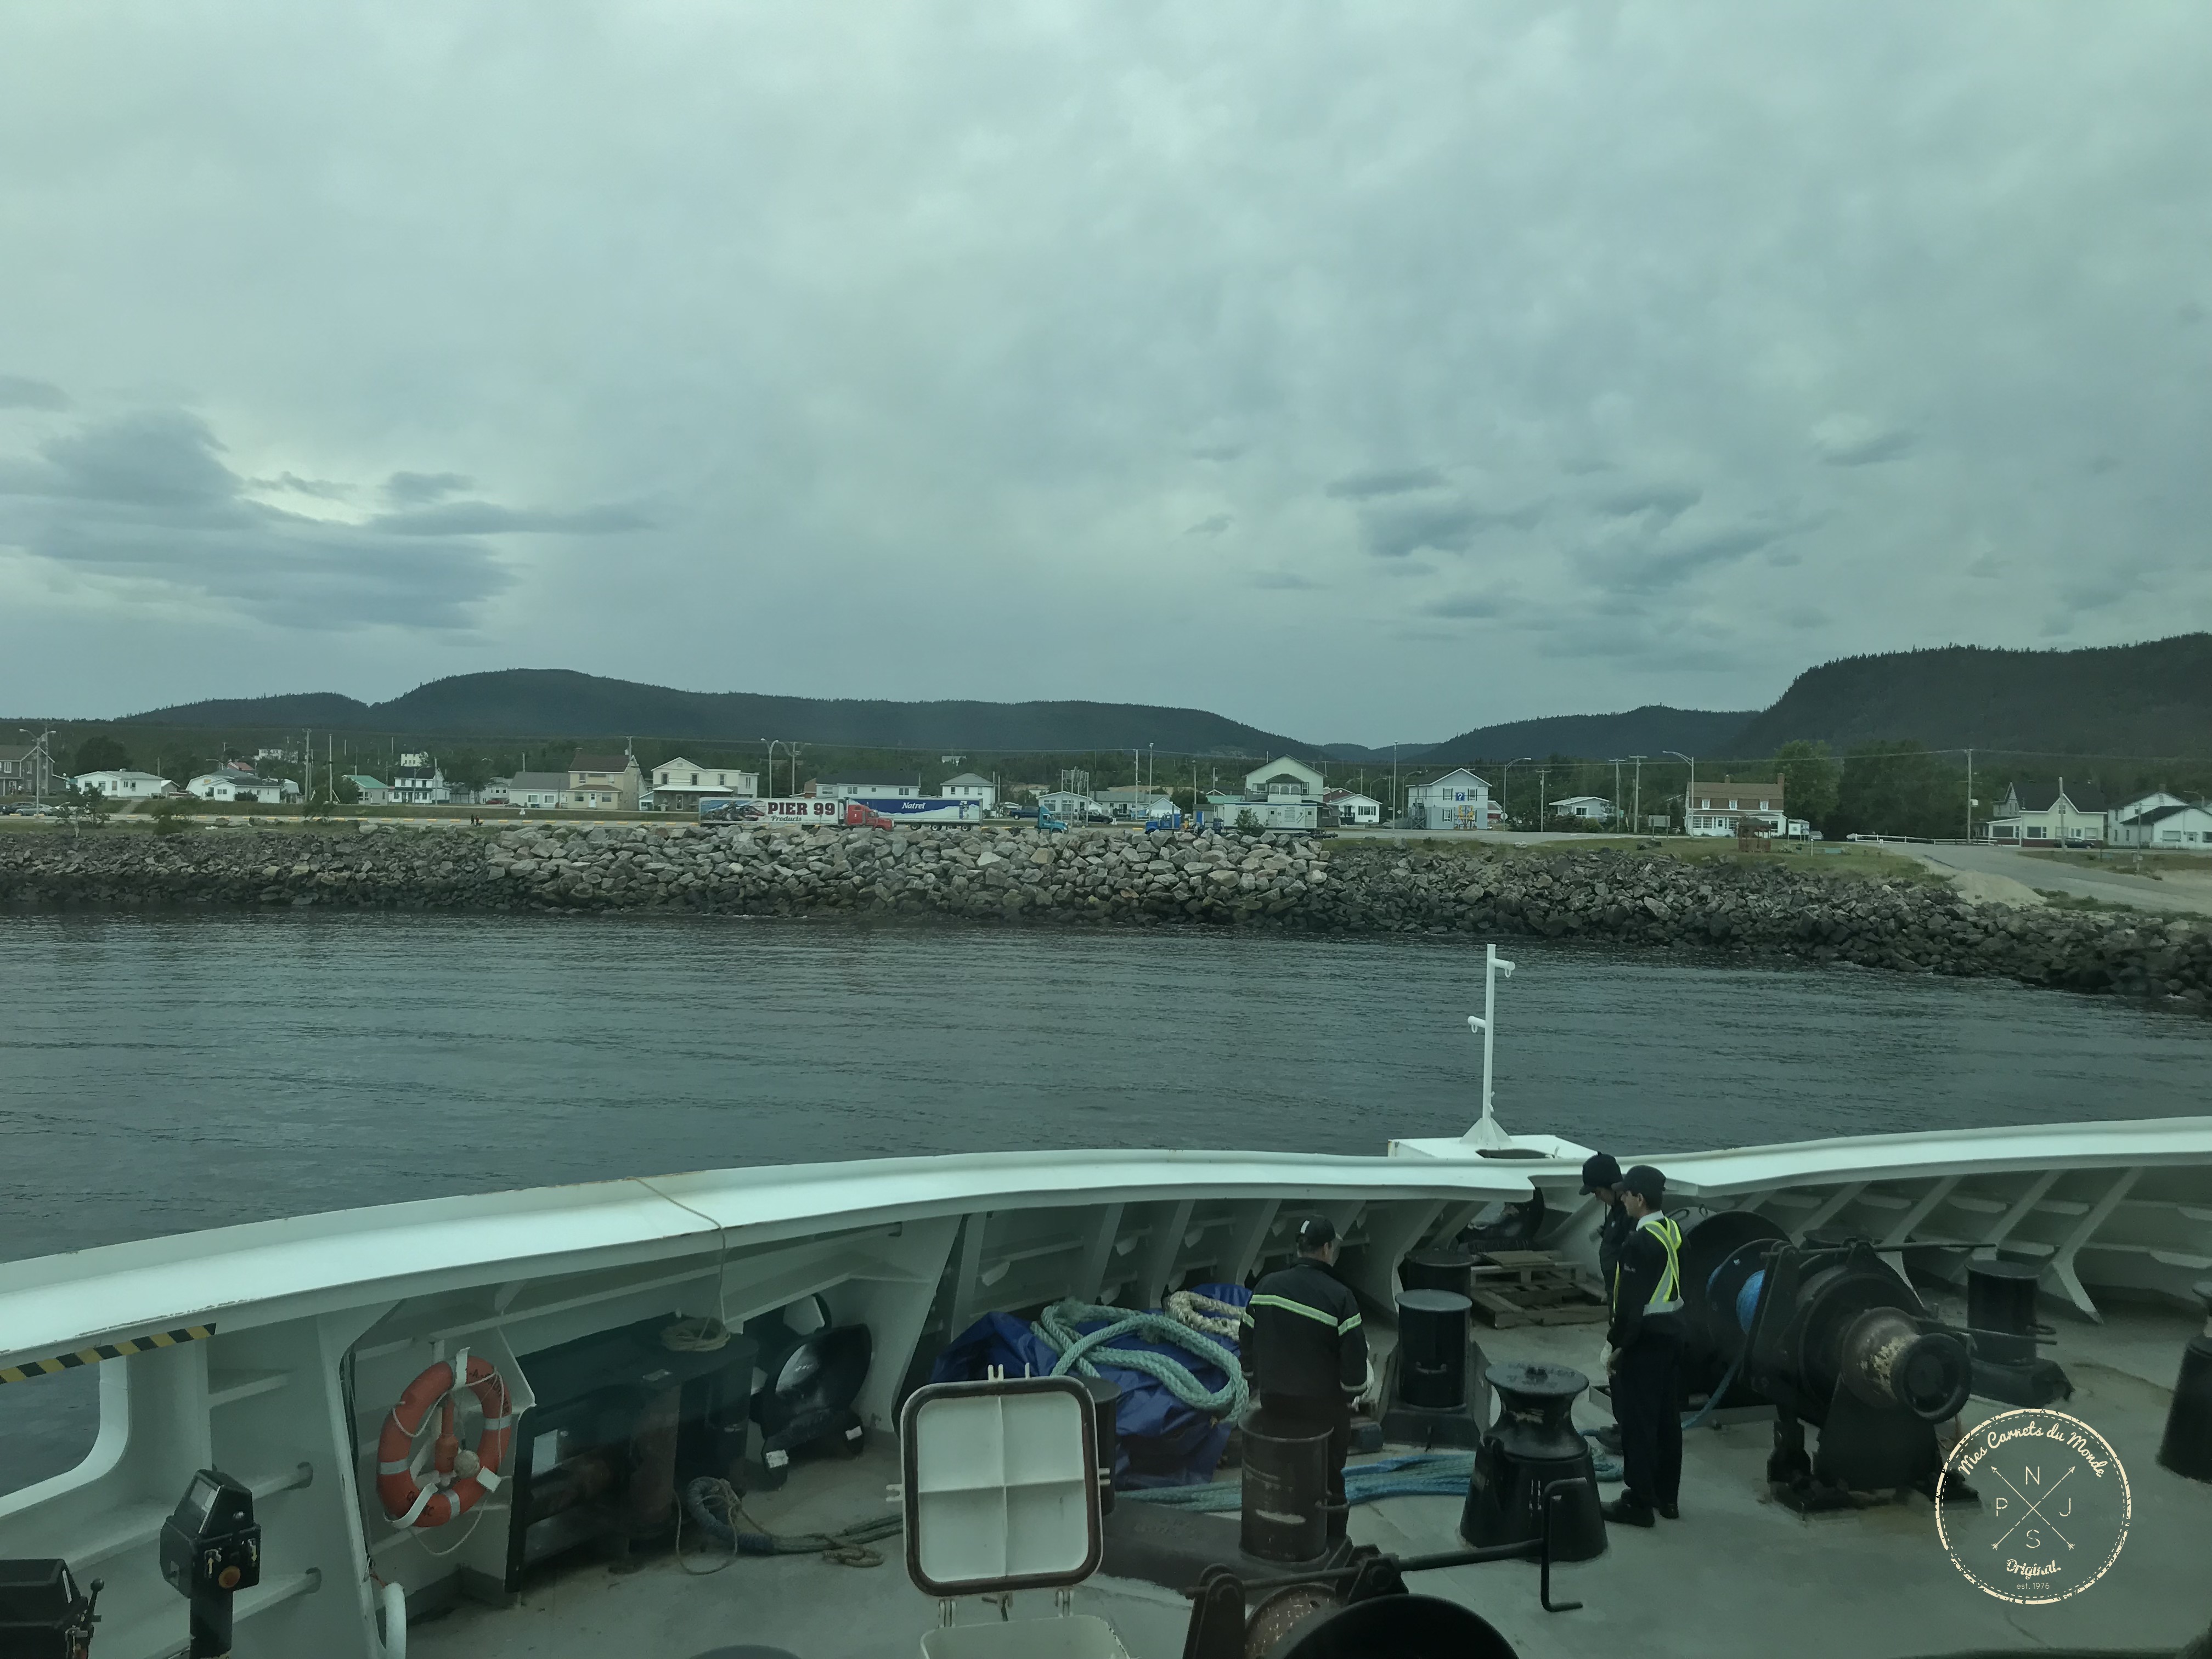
{"type": "Point", "coordinates": [2187, 1448]}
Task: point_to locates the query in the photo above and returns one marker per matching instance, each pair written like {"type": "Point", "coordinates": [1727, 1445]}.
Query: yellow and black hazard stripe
{"type": "Point", "coordinates": [93, 1356]}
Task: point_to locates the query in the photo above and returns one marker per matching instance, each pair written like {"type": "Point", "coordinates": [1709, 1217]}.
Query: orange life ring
{"type": "Point", "coordinates": [405, 1501]}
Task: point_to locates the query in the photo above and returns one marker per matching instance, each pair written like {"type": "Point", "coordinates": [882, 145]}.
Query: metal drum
{"type": "Point", "coordinates": [1432, 1349]}
{"type": "Point", "coordinates": [1285, 1489]}
{"type": "Point", "coordinates": [1532, 1443]}
{"type": "Point", "coordinates": [1438, 1270]}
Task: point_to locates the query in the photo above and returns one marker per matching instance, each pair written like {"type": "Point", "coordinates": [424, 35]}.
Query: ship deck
{"type": "Point", "coordinates": [1739, 1574]}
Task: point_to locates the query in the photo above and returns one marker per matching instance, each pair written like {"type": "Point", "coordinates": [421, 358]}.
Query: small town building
{"type": "Point", "coordinates": [1735, 808]}
{"type": "Point", "coordinates": [1285, 780]}
{"type": "Point", "coordinates": [1132, 802]}
{"type": "Point", "coordinates": [2171, 828]}
{"type": "Point", "coordinates": [1068, 806]}
{"type": "Point", "coordinates": [1596, 808]}
{"type": "Point", "coordinates": [601, 781]}
{"type": "Point", "coordinates": [543, 790]}
{"type": "Point", "coordinates": [374, 791]}
{"type": "Point", "coordinates": [1272, 812]}
{"type": "Point", "coordinates": [969, 786]}
{"type": "Point", "coordinates": [1457, 800]}
{"type": "Point", "coordinates": [2044, 815]}
{"type": "Point", "coordinates": [123, 785]}
{"type": "Point", "coordinates": [229, 784]}
{"type": "Point", "coordinates": [417, 780]}
{"type": "Point", "coordinates": [861, 785]}
{"type": "Point", "coordinates": [25, 773]}
{"type": "Point", "coordinates": [1350, 807]}
{"type": "Point", "coordinates": [679, 785]}
{"type": "Point", "coordinates": [2119, 817]}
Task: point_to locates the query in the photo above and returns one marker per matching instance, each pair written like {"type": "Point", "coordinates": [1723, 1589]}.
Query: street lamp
{"type": "Point", "coordinates": [1506, 787]}
{"type": "Point", "coordinates": [1692, 787]}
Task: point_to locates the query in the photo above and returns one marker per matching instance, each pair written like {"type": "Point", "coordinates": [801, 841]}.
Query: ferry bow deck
{"type": "Point", "coordinates": [319, 1322]}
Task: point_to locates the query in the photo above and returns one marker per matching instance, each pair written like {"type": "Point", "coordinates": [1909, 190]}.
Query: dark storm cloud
{"type": "Point", "coordinates": [1393, 529]}
{"type": "Point", "coordinates": [414, 488]}
{"type": "Point", "coordinates": [1665, 502]}
{"type": "Point", "coordinates": [147, 497]}
{"type": "Point", "coordinates": [18, 393]}
{"type": "Point", "coordinates": [1363, 486]}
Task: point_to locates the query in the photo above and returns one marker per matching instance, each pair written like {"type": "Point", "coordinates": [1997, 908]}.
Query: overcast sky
{"type": "Point", "coordinates": [1366, 372]}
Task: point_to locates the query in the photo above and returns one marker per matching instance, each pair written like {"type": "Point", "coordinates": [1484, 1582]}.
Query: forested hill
{"type": "Point", "coordinates": [1651, 730]}
{"type": "Point", "coordinates": [521, 702]}
{"type": "Point", "coordinates": [2151, 699]}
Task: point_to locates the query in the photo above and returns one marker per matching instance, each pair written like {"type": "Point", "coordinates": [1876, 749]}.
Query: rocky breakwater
{"type": "Point", "coordinates": [1749, 908]}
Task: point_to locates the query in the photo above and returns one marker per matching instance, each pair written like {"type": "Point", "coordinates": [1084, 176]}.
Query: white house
{"type": "Point", "coordinates": [418, 781]}
{"type": "Point", "coordinates": [1134, 802]}
{"type": "Point", "coordinates": [679, 785]}
{"type": "Point", "coordinates": [1068, 806]}
{"type": "Point", "coordinates": [968, 786]}
{"type": "Point", "coordinates": [236, 786]}
{"type": "Point", "coordinates": [1735, 808]}
{"type": "Point", "coordinates": [2040, 816]}
{"type": "Point", "coordinates": [1353, 808]}
{"type": "Point", "coordinates": [2120, 820]}
{"type": "Point", "coordinates": [1457, 800]}
{"type": "Point", "coordinates": [123, 785]}
{"type": "Point", "coordinates": [1596, 808]}
{"type": "Point", "coordinates": [2170, 828]}
{"type": "Point", "coordinates": [1285, 780]}
{"type": "Point", "coordinates": [540, 789]}
{"type": "Point", "coordinates": [861, 785]}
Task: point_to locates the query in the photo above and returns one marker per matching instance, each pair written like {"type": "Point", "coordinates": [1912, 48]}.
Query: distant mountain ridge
{"type": "Point", "coordinates": [524, 702]}
{"type": "Point", "coordinates": [2150, 700]}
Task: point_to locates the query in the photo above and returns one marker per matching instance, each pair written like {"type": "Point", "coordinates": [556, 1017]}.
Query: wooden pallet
{"type": "Point", "coordinates": [1534, 1287]}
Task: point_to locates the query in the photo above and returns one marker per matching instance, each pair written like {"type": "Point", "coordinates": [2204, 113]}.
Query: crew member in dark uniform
{"type": "Point", "coordinates": [1602, 1181]}
{"type": "Point", "coordinates": [1309, 1352]}
{"type": "Point", "coordinates": [1646, 1351]}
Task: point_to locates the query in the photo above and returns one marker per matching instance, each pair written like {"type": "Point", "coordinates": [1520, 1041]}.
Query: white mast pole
{"type": "Point", "coordinates": [1486, 1131]}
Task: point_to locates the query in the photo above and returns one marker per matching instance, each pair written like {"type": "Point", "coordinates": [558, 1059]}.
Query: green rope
{"type": "Point", "coordinates": [1055, 1327]}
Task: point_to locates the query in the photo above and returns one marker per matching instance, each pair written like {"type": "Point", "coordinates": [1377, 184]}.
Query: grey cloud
{"type": "Point", "coordinates": [1364, 486]}
{"type": "Point", "coordinates": [324, 490]}
{"type": "Point", "coordinates": [1283, 580]}
{"type": "Point", "coordinates": [1850, 440]}
{"type": "Point", "coordinates": [1217, 452]}
{"type": "Point", "coordinates": [145, 497]}
{"type": "Point", "coordinates": [1468, 605]}
{"type": "Point", "coordinates": [414, 488]}
{"type": "Point", "coordinates": [1212, 526]}
{"type": "Point", "coordinates": [1665, 502]}
{"type": "Point", "coordinates": [1394, 530]}
{"type": "Point", "coordinates": [1654, 564]}
{"type": "Point", "coordinates": [489, 518]}
{"type": "Point", "coordinates": [1807, 615]}
{"type": "Point", "coordinates": [18, 393]}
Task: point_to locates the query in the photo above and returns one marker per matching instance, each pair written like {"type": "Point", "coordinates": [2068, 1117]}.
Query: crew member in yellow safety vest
{"type": "Point", "coordinates": [1309, 1353]}
{"type": "Point", "coordinates": [1646, 1353]}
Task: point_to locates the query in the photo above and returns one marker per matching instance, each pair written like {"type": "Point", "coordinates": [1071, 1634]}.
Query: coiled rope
{"type": "Point", "coordinates": [1056, 1329]}
{"type": "Point", "coordinates": [1203, 1313]}
{"type": "Point", "coordinates": [847, 1547]}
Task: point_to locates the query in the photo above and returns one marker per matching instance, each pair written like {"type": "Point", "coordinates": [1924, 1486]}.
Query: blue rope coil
{"type": "Point", "coordinates": [1056, 1329]}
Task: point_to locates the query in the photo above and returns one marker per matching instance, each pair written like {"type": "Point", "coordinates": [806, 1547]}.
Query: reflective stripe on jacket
{"type": "Point", "coordinates": [1306, 1336]}
{"type": "Point", "coordinates": [1648, 1283]}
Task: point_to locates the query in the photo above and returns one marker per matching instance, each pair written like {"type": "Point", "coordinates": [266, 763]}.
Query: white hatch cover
{"type": "Point", "coordinates": [1001, 1487]}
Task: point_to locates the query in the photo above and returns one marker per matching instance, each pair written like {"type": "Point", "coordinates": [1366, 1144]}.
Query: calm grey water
{"type": "Point", "coordinates": [157, 1075]}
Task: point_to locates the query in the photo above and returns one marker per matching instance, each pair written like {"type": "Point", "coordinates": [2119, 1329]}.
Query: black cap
{"type": "Point", "coordinates": [1600, 1170]}
{"type": "Point", "coordinates": [1316, 1232]}
{"type": "Point", "coordinates": [1646, 1182]}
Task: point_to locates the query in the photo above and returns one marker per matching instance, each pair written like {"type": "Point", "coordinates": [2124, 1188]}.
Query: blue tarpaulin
{"type": "Point", "coordinates": [1160, 1441]}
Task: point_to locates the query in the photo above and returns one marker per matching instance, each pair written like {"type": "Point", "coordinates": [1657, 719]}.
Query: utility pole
{"type": "Point", "coordinates": [1616, 786]}
{"type": "Point", "coordinates": [1639, 813]}
{"type": "Point", "coordinates": [1690, 789]}
{"type": "Point", "coordinates": [1970, 797]}
{"type": "Point", "coordinates": [1393, 781]}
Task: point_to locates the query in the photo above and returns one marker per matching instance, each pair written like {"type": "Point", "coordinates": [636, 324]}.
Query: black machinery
{"type": "Point", "coordinates": [1431, 1404]}
{"type": "Point", "coordinates": [1362, 1607]}
{"type": "Point", "coordinates": [813, 1376]}
{"type": "Point", "coordinates": [1835, 1337]}
{"type": "Point", "coordinates": [211, 1550]}
{"type": "Point", "coordinates": [1530, 1462]}
{"type": "Point", "coordinates": [42, 1613]}
{"type": "Point", "coordinates": [2001, 1315]}
{"type": "Point", "coordinates": [2186, 1446]}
